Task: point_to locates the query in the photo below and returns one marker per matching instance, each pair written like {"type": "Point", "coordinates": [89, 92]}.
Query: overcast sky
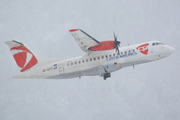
{"type": "Point", "coordinates": [151, 91]}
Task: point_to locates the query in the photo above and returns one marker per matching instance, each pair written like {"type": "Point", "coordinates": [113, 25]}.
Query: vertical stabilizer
{"type": "Point", "coordinates": [24, 58]}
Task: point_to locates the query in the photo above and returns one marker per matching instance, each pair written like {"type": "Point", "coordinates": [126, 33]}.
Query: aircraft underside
{"type": "Point", "coordinates": [101, 70]}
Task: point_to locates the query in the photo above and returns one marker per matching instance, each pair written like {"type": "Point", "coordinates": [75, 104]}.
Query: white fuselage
{"type": "Point", "coordinates": [99, 62]}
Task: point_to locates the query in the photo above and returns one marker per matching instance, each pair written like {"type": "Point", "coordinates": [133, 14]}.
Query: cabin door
{"type": "Point", "coordinates": [61, 69]}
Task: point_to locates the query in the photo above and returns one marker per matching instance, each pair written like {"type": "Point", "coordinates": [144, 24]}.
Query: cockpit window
{"type": "Point", "coordinates": [157, 43]}
{"type": "Point", "coordinates": [161, 43]}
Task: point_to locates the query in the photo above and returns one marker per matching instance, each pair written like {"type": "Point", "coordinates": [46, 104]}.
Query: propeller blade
{"type": "Point", "coordinates": [118, 51]}
{"type": "Point", "coordinates": [116, 43]}
{"type": "Point", "coordinates": [115, 38]}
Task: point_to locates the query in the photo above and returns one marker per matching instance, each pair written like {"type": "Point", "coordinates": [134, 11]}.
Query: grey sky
{"type": "Point", "coordinates": [150, 91]}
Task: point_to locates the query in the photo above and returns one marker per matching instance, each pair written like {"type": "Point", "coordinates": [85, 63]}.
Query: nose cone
{"type": "Point", "coordinates": [171, 50]}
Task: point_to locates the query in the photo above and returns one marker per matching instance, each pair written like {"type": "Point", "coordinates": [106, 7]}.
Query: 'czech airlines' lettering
{"type": "Point", "coordinates": [121, 56]}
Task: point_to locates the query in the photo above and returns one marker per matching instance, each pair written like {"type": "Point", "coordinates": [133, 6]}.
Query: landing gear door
{"type": "Point", "coordinates": [61, 69]}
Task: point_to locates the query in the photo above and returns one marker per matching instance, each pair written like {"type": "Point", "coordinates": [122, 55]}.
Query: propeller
{"type": "Point", "coordinates": [116, 44]}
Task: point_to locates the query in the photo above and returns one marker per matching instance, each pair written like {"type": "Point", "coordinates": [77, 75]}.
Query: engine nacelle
{"type": "Point", "coordinates": [104, 45]}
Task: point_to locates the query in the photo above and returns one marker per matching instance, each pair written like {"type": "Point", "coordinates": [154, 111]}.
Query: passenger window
{"type": "Point", "coordinates": [102, 57]}
{"type": "Point", "coordinates": [75, 62]}
{"type": "Point", "coordinates": [125, 52]}
{"type": "Point", "coordinates": [79, 62]}
{"type": "Point", "coordinates": [67, 64]}
{"type": "Point", "coordinates": [71, 63]}
{"type": "Point", "coordinates": [110, 55]}
{"type": "Point", "coordinates": [90, 59]}
{"type": "Point", "coordinates": [106, 56]}
{"type": "Point", "coordinates": [133, 50]}
{"type": "Point", "coordinates": [94, 58]}
{"type": "Point", "coordinates": [129, 51]}
{"type": "Point", "coordinates": [86, 60]}
{"type": "Point", "coordinates": [114, 54]}
{"type": "Point", "coordinates": [82, 61]}
{"type": "Point", "coordinates": [121, 53]}
{"type": "Point", "coordinates": [153, 44]}
{"type": "Point", "coordinates": [98, 58]}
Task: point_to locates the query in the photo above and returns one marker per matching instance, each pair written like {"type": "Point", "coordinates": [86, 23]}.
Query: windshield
{"type": "Point", "coordinates": [157, 43]}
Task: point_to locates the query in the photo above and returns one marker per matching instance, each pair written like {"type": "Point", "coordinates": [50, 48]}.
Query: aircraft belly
{"type": "Point", "coordinates": [134, 63]}
{"type": "Point", "coordinates": [98, 70]}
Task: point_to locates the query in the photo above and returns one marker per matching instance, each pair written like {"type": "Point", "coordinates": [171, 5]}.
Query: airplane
{"type": "Point", "coordinates": [101, 58]}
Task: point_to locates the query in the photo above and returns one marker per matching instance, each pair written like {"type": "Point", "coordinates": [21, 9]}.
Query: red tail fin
{"type": "Point", "coordinates": [24, 58]}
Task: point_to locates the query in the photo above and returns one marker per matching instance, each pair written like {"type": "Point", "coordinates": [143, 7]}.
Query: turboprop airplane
{"type": "Point", "coordinates": [101, 58]}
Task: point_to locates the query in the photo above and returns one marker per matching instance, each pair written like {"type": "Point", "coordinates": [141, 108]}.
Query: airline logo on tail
{"type": "Point", "coordinates": [143, 48]}
{"type": "Point", "coordinates": [23, 57]}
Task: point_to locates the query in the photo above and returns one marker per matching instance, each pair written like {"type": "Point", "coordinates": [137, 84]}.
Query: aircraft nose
{"type": "Point", "coordinates": [171, 49]}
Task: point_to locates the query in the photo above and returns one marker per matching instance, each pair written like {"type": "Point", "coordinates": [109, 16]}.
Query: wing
{"type": "Point", "coordinates": [84, 40]}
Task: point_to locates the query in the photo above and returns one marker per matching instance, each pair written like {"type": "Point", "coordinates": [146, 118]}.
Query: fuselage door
{"type": "Point", "coordinates": [61, 69]}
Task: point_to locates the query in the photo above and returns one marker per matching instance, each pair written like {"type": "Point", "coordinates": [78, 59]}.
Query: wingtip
{"type": "Point", "coordinates": [73, 30]}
